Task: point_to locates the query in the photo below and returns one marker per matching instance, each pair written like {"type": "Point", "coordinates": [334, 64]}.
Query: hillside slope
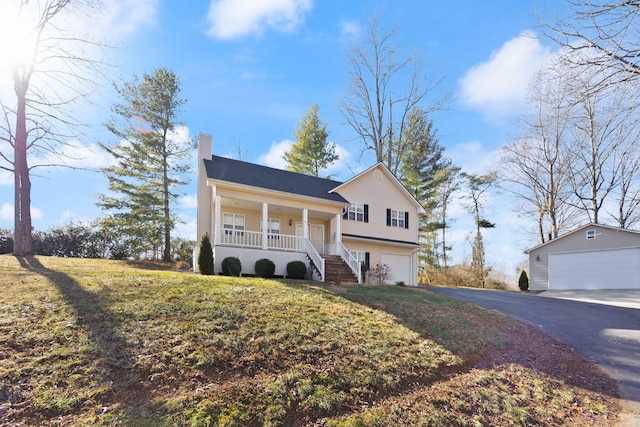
{"type": "Point", "coordinates": [95, 342]}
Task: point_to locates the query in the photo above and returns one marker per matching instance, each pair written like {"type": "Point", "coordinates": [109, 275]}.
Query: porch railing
{"type": "Point", "coordinates": [244, 238]}
{"type": "Point", "coordinates": [285, 242]}
{"type": "Point", "coordinates": [351, 261]}
{"type": "Point", "coordinates": [282, 242]}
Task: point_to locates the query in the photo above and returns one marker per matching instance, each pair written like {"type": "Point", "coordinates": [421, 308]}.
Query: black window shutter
{"type": "Point", "coordinates": [345, 213]}
{"type": "Point", "coordinates": [366, 213]}
{"type": "Point", "coordinates": [388, 217]}
{"type": "Point", "coordinates": [406, 220]}
{"type": "Point", "coordinates": [366, 260]}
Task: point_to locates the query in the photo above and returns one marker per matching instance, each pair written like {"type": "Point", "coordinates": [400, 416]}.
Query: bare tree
{"type": "Point", "coordinates": [538, 162]}
{"type": "Point", "coordinates": [604, 120]}
{"type": "Point", "coordinates": [50, 68]}
{"type": "Point", "coordinates": [627, 193]}
{"type": "Point", "coordinates": [385, 87]}
{"type": "Point", "coordinates": [603, 35]}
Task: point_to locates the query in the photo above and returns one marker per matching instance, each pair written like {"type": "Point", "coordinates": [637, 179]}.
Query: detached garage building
{"type": "Point", "coordinates": [594, 256]}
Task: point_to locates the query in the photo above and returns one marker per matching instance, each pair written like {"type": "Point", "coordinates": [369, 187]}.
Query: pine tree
{"type": "Point", "coordinates": [422, 160]}
{"type": "Point", "coordinates": [311, 152]}
{"type": "Point", "coordinates": [205, 256]}
{"type": "Point", "coordinates": [523, 281]}
{"type": "Point", "coordinates": [149, 159]}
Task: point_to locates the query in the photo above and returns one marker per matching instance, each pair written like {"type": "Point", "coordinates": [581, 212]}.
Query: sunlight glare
{"type": "Point", "coordinates": [18, 41]}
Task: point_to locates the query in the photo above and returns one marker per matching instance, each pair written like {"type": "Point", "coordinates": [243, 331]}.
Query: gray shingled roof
{"type": "Point", "coordinates": [239, 172]}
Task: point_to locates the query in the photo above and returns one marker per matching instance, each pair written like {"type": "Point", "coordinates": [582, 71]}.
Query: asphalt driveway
{"type": "Point", "coordinates": [606, 333]}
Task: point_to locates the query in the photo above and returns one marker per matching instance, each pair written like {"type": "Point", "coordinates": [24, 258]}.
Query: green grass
{"type": "Point", "coordinates": [106, 343]}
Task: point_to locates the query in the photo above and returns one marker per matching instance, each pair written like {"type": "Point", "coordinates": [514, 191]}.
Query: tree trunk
{"type": "Point", "coordinates": [23, 244]}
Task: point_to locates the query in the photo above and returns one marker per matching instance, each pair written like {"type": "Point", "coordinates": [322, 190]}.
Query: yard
{"type": "Point", "coordinates": [108, 343]}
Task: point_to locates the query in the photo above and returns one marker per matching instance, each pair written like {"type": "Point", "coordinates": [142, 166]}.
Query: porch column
{"type": "Point", "coordinates": [265, 225]}
{"type": "Point", "coordinates": [305, 223]}
{"type": "Point", "coordinates": [338, 229]}
{"type": "Point", "coordinates": [217, 232]}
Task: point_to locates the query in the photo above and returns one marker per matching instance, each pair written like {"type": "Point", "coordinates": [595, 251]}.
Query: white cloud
{"type": "Point", "coordinates": [77, 155]}
{"type": "Point", "coordinates": [6, 212]}
{"type": "Point", "coordinates": [68, 216]}
{"type": "Point", "coordinates": [190, 201]}
{"type": "Point", "coordinates": [472, 157]}
{"type": "Point", "coordinates": [122, 18]}
{"type": "Point", "coordinates": [187, 229]}
{"type": "Point", "coordinates": [499, 86]}
{"type": "Point", "coordinates": [350, 29]}
{"type": "Point", "coordinates": [229, 19]}
{"type": "Point", "coordinates": [273, 157]}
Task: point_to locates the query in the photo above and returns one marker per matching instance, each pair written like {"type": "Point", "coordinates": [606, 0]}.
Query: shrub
{"type": "Point", "coordinates": [296, 270]}
{"type": "Point", "coordinates": [379, 274]}
{"type": "Point", "coordinates": [205, 257]}
{"type": "Point", "coordinates": [265, 268]}
{"type": "Point", "coordinates": [231, 266]}
{"type": "Point", "coordinates": [523, 281]}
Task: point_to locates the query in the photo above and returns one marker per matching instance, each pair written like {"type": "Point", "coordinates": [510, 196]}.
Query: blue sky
{"type": "Point", "coordinates": [250, 68]}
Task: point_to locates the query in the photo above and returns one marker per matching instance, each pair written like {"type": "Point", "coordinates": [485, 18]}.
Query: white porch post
{"type": "Point", "coordinates": [305, 223]}
{"type": "Point", "coordinates": [217, 220]}
{"type": "Point", "coordinates": [338, 229]}
{"type": "Point", "coordinates": [265, 225]}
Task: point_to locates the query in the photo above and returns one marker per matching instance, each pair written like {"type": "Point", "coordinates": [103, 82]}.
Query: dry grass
{"type": "Point", "coordinates": [107, 343]}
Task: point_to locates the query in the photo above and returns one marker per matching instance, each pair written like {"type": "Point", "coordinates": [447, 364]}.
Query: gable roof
{"type": "Point", "coordinates": [245, 173]}
{"type": "Point", "coordinates": [591, 224]}
{"type": "Point", "coordinates": [392, 178]}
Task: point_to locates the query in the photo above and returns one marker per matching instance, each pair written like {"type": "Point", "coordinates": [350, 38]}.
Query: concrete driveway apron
{"type": "Point", "coordinates": [606, 333]}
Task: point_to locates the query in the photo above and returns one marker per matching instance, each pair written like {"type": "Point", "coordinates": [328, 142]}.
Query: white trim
{"type": "Point", "coordinates": [391, 177]}
{"type": "Point", "coordinates": [591, 224]}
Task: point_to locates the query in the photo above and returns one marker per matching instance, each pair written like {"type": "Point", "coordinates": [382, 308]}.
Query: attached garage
{"type": "Point", "coordinates": [607, 269]}
{"type": "Point", "coordinates": [400, 266]}
{"type": "Point", "coordinates": [594, 256]}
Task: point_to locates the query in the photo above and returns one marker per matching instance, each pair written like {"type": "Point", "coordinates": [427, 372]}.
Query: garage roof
{"type": "Point", "coordinates": [591, 224]}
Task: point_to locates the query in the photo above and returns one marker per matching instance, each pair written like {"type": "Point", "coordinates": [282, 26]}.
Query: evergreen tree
{"type": "Point", "coordinates": [422, 160]}
{"type": "Point", "coordinates": [311, 152]}
{"type": "Point", "coordinates": [523, 281]}
{"type": "Point", "coordinates": [149, 159]}
{"type": "Point", "coordinates": [205, 256]}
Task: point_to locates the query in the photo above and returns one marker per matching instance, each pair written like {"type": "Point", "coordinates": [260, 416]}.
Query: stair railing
{"type": "Point", "coordinates": [315, 257]}
{"type": "Point", "coordinates": [351, 261]}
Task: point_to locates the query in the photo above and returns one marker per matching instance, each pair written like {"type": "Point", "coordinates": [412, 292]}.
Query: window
{"type": "Point", "coordinates": [357, 212]}
{"type": "Point", "coordinates": [362, 257]}
{"type": "Point", "coordinates": [591, 234]}
{"type": "Point", "coordinates": [397, 218]}
{"type": "Point", "coordinates": [273, 227]}
{"type": "Point", "coordinates": [233, 224]}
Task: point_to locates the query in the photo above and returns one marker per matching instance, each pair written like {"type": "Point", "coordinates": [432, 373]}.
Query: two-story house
{"type": "Point", "coordinates": [252, 212]}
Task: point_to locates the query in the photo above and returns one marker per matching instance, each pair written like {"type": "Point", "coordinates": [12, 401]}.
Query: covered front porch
{"type": "Point", "coordinates": [249, 227]}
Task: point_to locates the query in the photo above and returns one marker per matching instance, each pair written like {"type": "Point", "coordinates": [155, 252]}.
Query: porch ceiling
{"type": "Point", "coordinates": [273, 208]}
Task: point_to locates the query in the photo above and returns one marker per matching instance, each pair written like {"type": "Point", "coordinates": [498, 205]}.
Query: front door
{"type": "Point", "coordinates": [316, 235]}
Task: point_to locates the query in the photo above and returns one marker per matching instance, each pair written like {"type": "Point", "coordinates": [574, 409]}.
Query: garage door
{"type": "Point", "coordinates": [610, 269]}
{"type": "Point", "coordinates": [400, 267]}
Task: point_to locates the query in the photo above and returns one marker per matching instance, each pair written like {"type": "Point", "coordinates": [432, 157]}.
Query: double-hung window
{"type": "Point", "coordinates": [357, 212]}
{"type": "Point", "coordinates": [362, 257]}
{"type": "Point", "coordinates": [273, 228]}
{"type": "Point", "coordinates": [233, 224]}
{"type": "Point", "coordinates": [397, 218]}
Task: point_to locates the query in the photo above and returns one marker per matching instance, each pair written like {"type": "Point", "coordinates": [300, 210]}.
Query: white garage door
{"type": "Point", "coordinates": [400, 267]}
{"type": "Point", "coordinates": [610, 269]}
